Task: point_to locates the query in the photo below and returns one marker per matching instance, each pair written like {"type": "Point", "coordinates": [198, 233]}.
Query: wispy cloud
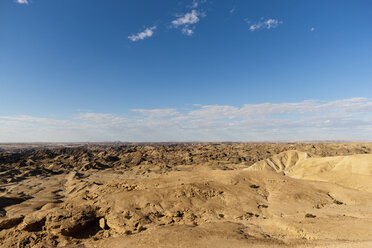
{"type": "Point", "coordinates": [148, 32]}
{"type": "Point", "coordinates": [231, 11]}
{"type": "Point", "coordinates": [157, 113]}
{"type": "Point", "coordinates": [311, 119]}
{"type": "Point", "coordinates": [32, 119]}
{"type": "Point", "coordinates": [264, 24]}
{"type": "Point", "coordinates": [312, 29]}
{"type": "Point", "coordinates": [196, 3]}
{"type": "Point", "coordinates": [99, 117]}
{"type": "Point", "coordinates": [22, 1]}
{"type": "Point", "coordinates": [187, 21]}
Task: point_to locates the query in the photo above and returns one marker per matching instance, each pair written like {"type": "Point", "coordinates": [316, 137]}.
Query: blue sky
{"type": "Point", "coordinates": [166, 70]}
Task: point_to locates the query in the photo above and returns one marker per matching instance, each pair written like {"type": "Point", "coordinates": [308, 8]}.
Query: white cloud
{"type": "Point", "coordinates": [157, 113]}
{"type": "Point", "coordinates": [98, 117]}
{"type": "Point", "coordinates": [22, 1]}
{"type": "Point", "coordinates": [22, 119]}
{"type": "Point", "coordinates": [312, 29]}
{"type": "Point", "coordinates": [310, 119]}
{"type": "Point", "coordinates": [196, 3]}
{"type": "Point", "coordinates": [231, 11]}
{"type": "Point", "coordinates": [186, 22]}
{"type": "Point", "coordinates": [215, 112]}
{"type": "Point", "coordinates": [187, 19]}
{"type": "Point", "coordinates": [148, 32]}
{"type": "Point", "coordinates": [264, 24]}
{"type": "Point", "coordinates": [187, 31]}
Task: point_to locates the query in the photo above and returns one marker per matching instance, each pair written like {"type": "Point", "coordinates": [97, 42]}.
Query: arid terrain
{"type": "Point", "coordinates": [186, 195]}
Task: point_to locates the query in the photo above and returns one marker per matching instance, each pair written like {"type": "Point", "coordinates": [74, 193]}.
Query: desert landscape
{"type": "Point", "coordinates": [188, 123]}
{"type": "Point", "coordinates": [186, 195]}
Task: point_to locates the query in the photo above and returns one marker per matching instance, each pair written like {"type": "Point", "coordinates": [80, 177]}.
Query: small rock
{"type": "Point", "coordinates": [102, 223]}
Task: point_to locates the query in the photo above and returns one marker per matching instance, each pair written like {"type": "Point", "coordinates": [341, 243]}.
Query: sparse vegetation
{"type": "Point", "coordinates": [309, 215]}
{"type": "Point", "coordinates": [337, 202]}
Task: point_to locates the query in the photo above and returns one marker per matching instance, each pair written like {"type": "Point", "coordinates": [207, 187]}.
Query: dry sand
{"type": "Point", "coordinates": [190, 195]}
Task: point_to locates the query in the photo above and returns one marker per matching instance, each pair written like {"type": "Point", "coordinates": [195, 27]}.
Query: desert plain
{"type": "Point", "coordinates": [186, 195]}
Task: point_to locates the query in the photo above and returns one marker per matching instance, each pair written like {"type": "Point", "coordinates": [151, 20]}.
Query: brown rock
{"type": "Point", "coordinates": [102, 223]}
{"type": "Point", "coordinates": [10, 222]}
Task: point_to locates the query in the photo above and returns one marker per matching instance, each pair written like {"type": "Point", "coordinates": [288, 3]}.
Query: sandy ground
{"type": "Point", "coordinates": [186, 195]}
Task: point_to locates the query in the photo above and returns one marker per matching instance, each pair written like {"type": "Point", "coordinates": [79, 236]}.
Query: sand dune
{"type": "Point", "coordinates": [203, 195]}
